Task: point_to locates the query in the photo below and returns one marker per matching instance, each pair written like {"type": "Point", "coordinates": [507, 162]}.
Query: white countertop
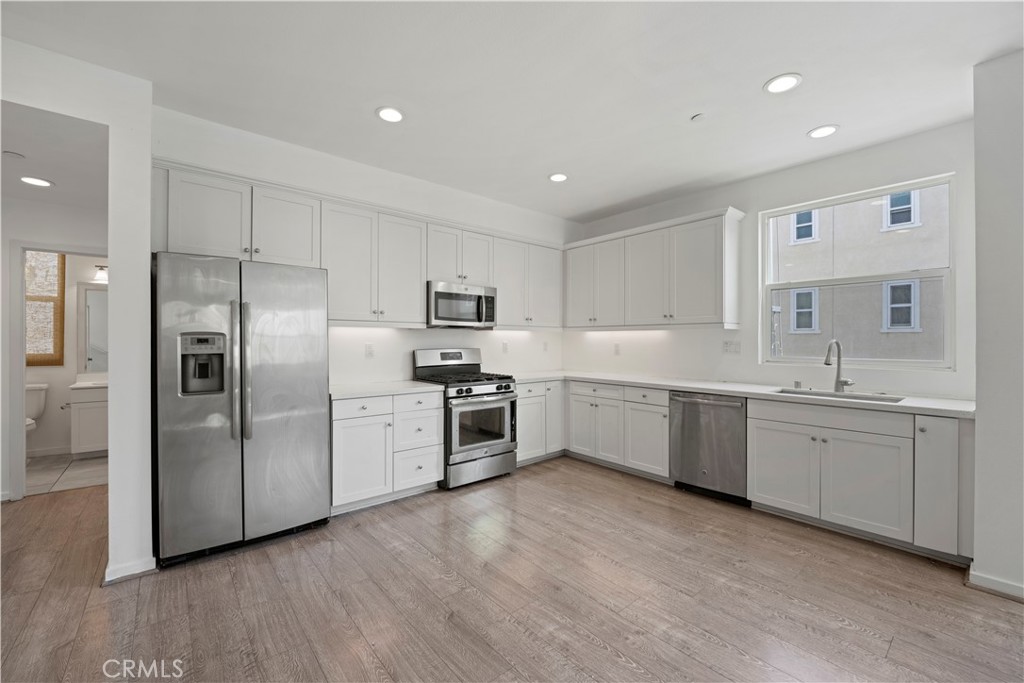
{"type": "Point", "coordinates": [96, 384]}
{"type": "Point", "coordinates": [339, 391]}
{"type": "Point", "coordinates": [942, 407]}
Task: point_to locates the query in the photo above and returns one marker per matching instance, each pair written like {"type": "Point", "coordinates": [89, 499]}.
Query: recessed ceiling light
{"type": "Point", "coordinates": [783, 83]}
{"type": "Point", "coordinates": [558, 177]}
{"type": "Point", "coordinates": [8, 154]}
{"type": "Point", "coordinates": [823, 131]}
{"type": "Point", "coordinates": [389, 114]}
{"type": "Point", "coordinates": [38, 182]}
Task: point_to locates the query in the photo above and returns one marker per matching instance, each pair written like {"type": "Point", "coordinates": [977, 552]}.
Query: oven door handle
{"type": "Point", "coordinates": [471, 400]}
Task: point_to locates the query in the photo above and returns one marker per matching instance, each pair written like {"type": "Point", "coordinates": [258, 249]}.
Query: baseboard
{"type": "Point", "coordinates": [53, 450]}
{"type": "Point", "coordinates": [620, 468]}
{"type": "Point", "coordinates": [990, 584]}
{"type": "Point", "coordinates": [5, 495]}
{"type": "Point", "coordinates": [540, 458]}
{"type": "Point", "coordinates": [129, 570]}
{"type": "Point", "coordinates": [379, 500]}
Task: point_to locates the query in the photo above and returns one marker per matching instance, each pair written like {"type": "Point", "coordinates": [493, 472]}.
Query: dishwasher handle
{"type": "Point", "coordinates": [706, 402]}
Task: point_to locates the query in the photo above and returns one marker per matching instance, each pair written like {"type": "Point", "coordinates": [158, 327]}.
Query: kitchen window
{"type": "Point", "coordinates": [852, 276]}
{"type": "Point", "coordinates": [805, 227]}
{"type": "Point", "coordinates": [804, 307]}
{"type": "Point", "coordinates": [44, 308]}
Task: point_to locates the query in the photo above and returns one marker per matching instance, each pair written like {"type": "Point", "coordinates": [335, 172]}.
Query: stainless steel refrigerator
{"type": "Point", "coordinates": [241, 419]}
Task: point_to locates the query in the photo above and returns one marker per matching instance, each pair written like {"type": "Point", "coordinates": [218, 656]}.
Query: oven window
{"type": "Point", "coordinates": [481, 425]}
{"type": "Point", "coordinates": [456, 307]}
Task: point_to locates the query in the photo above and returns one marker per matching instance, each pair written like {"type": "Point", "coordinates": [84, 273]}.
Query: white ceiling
{"type": "Point", "coordinates": [497, 96]}
{"type": "Point", "coordinates": [70, 152]}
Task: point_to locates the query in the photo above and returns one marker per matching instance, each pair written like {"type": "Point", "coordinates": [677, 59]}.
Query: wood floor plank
{"type": "Point", "coordinates": [14, 613]}
{"type": "Point", "coordinates": [253, 577]}
{"type": "Point", "coordinates": [298, 666]}
{"type": "Point", "coordinates": [162, 596]}
{"type": "Point", "coordinates": [106, 632]}
{"type": "Point", "coordinates": [273, 628]}
{"type": "Point", "coordinates": [168, 641]}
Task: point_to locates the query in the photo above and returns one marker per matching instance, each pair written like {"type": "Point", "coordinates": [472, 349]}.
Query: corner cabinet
{"type": "Point", "coordinates": [594, 285]}
{"type": "Point", "coordinates": [684, 274]}
{"type": "Point", "coordinates": [596, 421]}
{"type": "Point", "coordinates": [529, 282]}
{"type": "Point", "coordinates": [539, 420]}
{"type": "Point", "coordinates": [216, 216]}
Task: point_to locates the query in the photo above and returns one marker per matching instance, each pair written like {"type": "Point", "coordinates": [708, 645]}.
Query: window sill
{"type": "Point", "coordinates": [901, 226]}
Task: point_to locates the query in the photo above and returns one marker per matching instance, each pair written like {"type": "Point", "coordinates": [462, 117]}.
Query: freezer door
{"type": "Point", "coordinates": [198, 462]}
{"type": "Point", "coordinates": [286, 409]}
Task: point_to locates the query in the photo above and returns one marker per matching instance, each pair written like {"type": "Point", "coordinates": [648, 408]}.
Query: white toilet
{"type": "Point", "coordinates": [35, 402]}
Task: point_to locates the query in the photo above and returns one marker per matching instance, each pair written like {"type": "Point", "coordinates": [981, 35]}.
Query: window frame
{"type": "Point", "coordinates": [947, 276]}
{"type": "Point", "coordinates": [915, 212]}
{"type": "Point", "coordinates": [815, 328]}
{"type": "Point", "coordinates": [914, 305]}
{"type": "Point", "coordinates": [55, 359]}
{"type": "Point", "coordinates": [793, 239]}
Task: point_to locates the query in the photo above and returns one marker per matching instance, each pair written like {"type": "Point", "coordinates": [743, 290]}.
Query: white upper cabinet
{"type": "Point", "coordinates": [697, 266]}
{"type": "Point", "coordinates": [529, 283]}
{"type": "Point", "coordinates": [350, 257]}
{"type": "Point", "coordinates": [208, 215]}
{"type": "Point", "coordinates": [401, 270]}
{"type": "Point", "coordinates": [285, 228]}
{"type": "Point", "coordinates": [594, 285]}
{"type": "Point", "coordinates": [647, 278]}
{"type": "Point", "coordinates": [455, 255]}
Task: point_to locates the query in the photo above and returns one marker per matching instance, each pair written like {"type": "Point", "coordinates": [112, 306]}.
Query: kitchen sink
{"type": "Point", "coordinates": [851, 395]}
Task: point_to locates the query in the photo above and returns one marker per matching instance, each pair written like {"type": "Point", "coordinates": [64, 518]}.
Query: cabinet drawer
{"type": "Point", "coordinates": [418, 428]}
{"type": "Point", "coordinates": [852, 419]}
{"type": "Point", "coordinates": [420, 401]}
{"type": "Point", "coordinates": [596, 390]}
{"type": "Point", "coordinates": [416, 467]}
{"type": "Point", "coordinates": [530, 389]}
{"type": "Point", "coordinates": [654, 397]}
{"type": "Point", "coordinates": [361, 407]}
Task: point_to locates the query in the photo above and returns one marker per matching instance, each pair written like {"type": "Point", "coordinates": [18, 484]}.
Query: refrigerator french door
{"type": "Point", "coordinates": [241, 428]}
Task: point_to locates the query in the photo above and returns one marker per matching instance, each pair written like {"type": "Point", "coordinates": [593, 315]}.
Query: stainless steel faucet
{"type": "Point", "coordinates": [841, 382]}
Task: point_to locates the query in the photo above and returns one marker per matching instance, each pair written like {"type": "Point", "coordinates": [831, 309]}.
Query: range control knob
{"type": "Point", "coordinates": [469, 390]}
{"type": "Point", "coordinates": [460, 392]}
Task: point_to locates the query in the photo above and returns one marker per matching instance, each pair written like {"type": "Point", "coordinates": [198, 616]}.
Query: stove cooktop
{"type": "Point", "coordinates": [467, 378]}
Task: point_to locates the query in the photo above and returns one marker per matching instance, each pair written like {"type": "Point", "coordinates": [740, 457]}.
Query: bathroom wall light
{"type": "Point", "coordinates": [101, 275]}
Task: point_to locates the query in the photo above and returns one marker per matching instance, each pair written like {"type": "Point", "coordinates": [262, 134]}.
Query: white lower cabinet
{"type": "Point", "coordinates": [783, 466]}
{"type": "Point", "coordinates": [608, 444]}
{"type": "Point", "coordinates": [647, 438]}
{"type": "Point", "coordinates": [937, 483]}
{"type": "Point", "coordinates": [581, 425]}
{"type": "Point", "coordinates": [88, 426]}
{"type": "Point", "coordinates": [530, 427]}
{"type": "Point", "coordinates": [396, 446]}
{"type": "Point", "coordinates": [554, 420]}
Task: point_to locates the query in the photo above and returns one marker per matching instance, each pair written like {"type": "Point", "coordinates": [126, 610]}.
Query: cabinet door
{"type": "Point", "coordinates": [581, 425]}
{"type": "Point", "coordinates": [646, 291]}
{"type": "Point", "coordinates": [402, 270]}
{"type": "Point", "coordinates": [783, 466]}
{"type": "Point", "coordinates": [510, 268]}
{"type": "Point", "coordinates": [362, 458]}
{"type": "Point", "coordinates": [609, 280]}
{"type": "Point", "coordinates": [647, 438]}
{"type": "Point", "coordinates": [285, 228]}
{"type": "Point", "coordinates": [579, 287]}
{"type": "Point", "coordinates": [867, 482]}
{"type": "Point", "coordinates": [554, 416]}
{"type": "Point", "coordinates": [88, 427]}
{"type": "Point", "coordinates": [350, 257]}
{"type": "Point", "coordinates": [477, 260]}
{"type": "Point", "coordinates": [696, 272]}
{"type": "Point", "coordinates": [443, 253]}
{"type": "Point", "coordinates": [545, 287]}
{"type": "Point", "coordinates": [936, 482]}
{"type": "Point", "coordinates": [530, 431]}
{"type": "Point", "coordinates": [208, 216]}
{"type": "Point", "coordinates": [608, 441]}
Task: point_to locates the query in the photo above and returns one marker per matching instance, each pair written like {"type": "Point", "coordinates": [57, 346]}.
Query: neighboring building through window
{"type": "Point", "coordinates": [901, 306]}
{"type": "Point", "coordinates": [805, 227]}
{"type": "Point", "coordinates": [804, 306]}
{"type": "Point", "coordinates": [44, 308]}
{"type": "Point", "coordinates": [902, 210]}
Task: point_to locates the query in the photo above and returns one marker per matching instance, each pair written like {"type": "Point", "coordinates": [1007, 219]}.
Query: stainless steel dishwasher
{"type": "Point", "coordinates": [708, 444]}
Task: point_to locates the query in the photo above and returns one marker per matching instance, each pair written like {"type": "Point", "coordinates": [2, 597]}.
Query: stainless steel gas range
{"type": "Point", "coordinates": [480, 424]}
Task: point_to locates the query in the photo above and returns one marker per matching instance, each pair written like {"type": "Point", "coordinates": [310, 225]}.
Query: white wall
{"type": "Point", "coordinates": [52, 434]}
{"type": "Point", "coordinates": [999, 440]}
{"type": "Point", "coordinates": [45, 80]}
{"type": "Point", "coordinates": [527, 351]}
{"type": "Point", "coordinates": [190, 140]}
{"type": "Point", "coordinates": [696, 352]}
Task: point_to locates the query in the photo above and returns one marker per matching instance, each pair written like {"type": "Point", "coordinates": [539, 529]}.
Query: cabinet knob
{"type": "Point", "coordinates": [419, 467]}
{"type": "Point", "coordinates": [664, 415]}
{"type": "Point", "coordinates": [664, 315]}
{"type": "Point", "coordinates": [362, 407]}
{"type": "Point", "coordinates": [382, 312]}
{"type": "Point", "coordinates": [387, 424]}
{"type": "Point", "coordinates": [824, 440]}
{"type": "Point", "coordinates": [671, 315]}
{"type": "Point", "coordinates": [594, 390]}
{"type": "Point", "coordinates": [529, 391]}
{"type": "Point", "coordinates": [922, 429]}
{"type": "Point", "coordinates": [549, 388]}
{"type": "Point", "coordinates": [419, 403]}
{"type": "Point", "coordinates": [374, 312]}
{"type": "Point", "coordinates": [419, 429]}
{"type": "Point", "coordinates": [245, 250]}
{"type": "Point", "coordinates": [644, 395]}
{"type": "Point", "coordinates": [257, 250]}
{"type": "Point", "coordinates": [814, 438]}
{"type": "Point", "coordinates": [703, 471]}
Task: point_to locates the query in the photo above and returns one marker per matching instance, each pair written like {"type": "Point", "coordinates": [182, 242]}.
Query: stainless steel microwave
{"type": "Point", "coordinates": [450, 304]}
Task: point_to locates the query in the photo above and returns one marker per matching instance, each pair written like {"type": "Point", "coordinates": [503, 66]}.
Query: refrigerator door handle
{"type": "Point", "coordinates": [236, 370]}
{"type": "Point", "coordinates": [247, 371]}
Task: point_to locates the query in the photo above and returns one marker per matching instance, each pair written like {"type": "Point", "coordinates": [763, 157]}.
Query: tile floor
{"type": "Point", "coordinates": [60, 472]}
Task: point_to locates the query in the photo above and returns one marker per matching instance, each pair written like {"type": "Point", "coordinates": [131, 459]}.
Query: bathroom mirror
{"type": "Point", "coordinates": [92, 327]}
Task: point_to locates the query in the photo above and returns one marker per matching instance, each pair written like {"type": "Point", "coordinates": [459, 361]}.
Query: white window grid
{"type": "Point", "coordinates": [915, 212]}
{"type": "Point", "coordinates": [794, 237]}
{"type": "Point", "coordinates": [914, 305]}
{"type": "Point", "coordinates": [793, 298]}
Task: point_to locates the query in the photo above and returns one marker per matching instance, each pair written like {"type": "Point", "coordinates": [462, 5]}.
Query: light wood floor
{"type": "Point", "coordinates": [563, 571]}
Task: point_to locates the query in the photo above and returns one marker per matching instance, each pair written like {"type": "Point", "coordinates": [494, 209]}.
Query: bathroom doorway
{"type": "Point", "coordinates": [55, 243]}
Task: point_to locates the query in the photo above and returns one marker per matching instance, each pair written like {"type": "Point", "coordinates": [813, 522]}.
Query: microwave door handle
{"type": "Point", "coordinates": [480, 309]}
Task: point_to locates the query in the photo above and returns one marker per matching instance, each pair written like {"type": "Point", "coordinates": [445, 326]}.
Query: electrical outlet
{"type": "Point", "coordinates": [730, 347]}
{"type": "Point", "coordinates": [504, 347]}
{"type": "Point", "coordinates": [544, 345]}
{"type": "Point", "coordinates": [618, 349]}
{"type": "Point", "coordinates": [368, 350]}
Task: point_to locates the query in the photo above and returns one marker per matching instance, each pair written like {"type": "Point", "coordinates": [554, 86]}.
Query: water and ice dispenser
{"type": "Point", "coordinates": [201, 363]}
